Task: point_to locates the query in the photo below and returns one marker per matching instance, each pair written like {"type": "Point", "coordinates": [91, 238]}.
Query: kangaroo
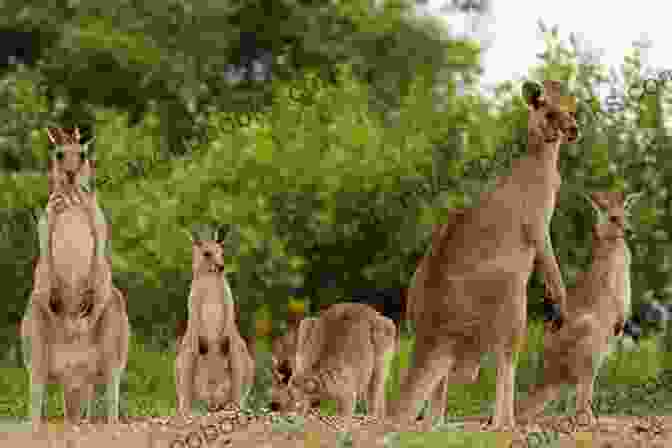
{"type": "Point", "coordinates": [75, 329]}
{"type": "Point", "coordinates": [598, 311]}
{"type": "Point", "coordinates": [213, 363]}
{"type": "Point", "coordinates": [469, 373]}
{"type": "Point", "coordinates": [343, 354]}
{"type": "Point", "coordinates": [473, 297]}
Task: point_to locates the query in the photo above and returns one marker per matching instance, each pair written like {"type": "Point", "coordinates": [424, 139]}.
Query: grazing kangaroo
{"type": "Point", "coordinates": [213, 363]}
{"type": "Point", "coordinates": [598, 309]}
{"type": "Point", "coordinates": [343, 354]}
{"type": "Point", "coordinates": [473, 297]}
{"type": "Point", "coordinates": [75, 329]}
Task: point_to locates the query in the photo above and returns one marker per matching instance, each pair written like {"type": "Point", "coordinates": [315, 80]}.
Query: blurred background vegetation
{"type": "Point", "coordinates": [332, 134]}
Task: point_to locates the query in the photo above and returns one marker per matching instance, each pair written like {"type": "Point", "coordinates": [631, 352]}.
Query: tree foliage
{"type": "Point", "coordinates": [333, 168]}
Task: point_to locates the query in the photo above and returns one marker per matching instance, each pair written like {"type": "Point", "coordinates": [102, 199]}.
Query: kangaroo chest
{"type": "Point", "coordinates": [620, 281]}
{"type": "Point", "coordinates": [214, 312]}
{"type": "Point", "coordinates": [615, 286]}
{"type": "Point", "coordinates": [72, 245]}
{"type": "Point", "coordinates": [542, 193]}
{"type": "Point", "coordinates": [534, 185]}
{"type": "Point", "coordinates": [213, 318]}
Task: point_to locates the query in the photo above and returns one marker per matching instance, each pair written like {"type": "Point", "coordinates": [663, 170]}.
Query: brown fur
{"type": "Point", "coordinates": [181, 328]}
{"type": "Point", "coordinates": [283, 348]}
{"type": "Point", "coordinates": [469, 372]}
{"type": "Point", "coordinates": [283, 353]}
{"type": "Point", "coordinates": [71, 216]}
{"type": "Point", "coordinates": [598, 306]}
{"type": "Point", "coordinates": [213, 362]}
{"type": "Point", "coordinates": [341, 355]}
{"type": "Point", "coordinates": [473, 297]}
{"type": "Point", "coordinates": [75, 330]}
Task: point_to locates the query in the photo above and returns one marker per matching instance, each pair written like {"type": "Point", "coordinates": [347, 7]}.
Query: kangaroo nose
{"type": "Point", "coordinates": [71, 177]}
{"type": "Point", "coordinates": [573, 133]}
{"type": "Point", "coordinates": [220, 268]}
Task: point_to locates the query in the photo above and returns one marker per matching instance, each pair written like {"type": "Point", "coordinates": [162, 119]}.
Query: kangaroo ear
{"type": "Point", "coordinates": [552, 91]}
{"type": "Point", "coordinates": [599, 199]}
{"type": "Point", "coordinates": [196, 239]}
{"type": "Point", "coordinates": [619, 197]}
{"type": "Point", "coordinates": [55, 136]}
{"type": "Point", "coordinates": [598, 231]}
{"type": "Point", "coordinates": [223, 233]}
{"type": "Point", "coordinates": [531, 92]}
{"type": "Point", "coordinates": [229, 236]}
{"type": "Point", "coordinates": [88, 148]}
{"type": "Point", "coordinates": [595, 201]}
{"type": "Point", "coordinates": [193, 236]}
{"type": "Point", "coordinates": [71, 136]}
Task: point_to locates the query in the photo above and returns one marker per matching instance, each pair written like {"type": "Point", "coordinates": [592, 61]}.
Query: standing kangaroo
{"type": "Point", "coordinates": [598, 309]}
{"type": "Point", "coordinates": [75, 329]}
{"type": "Point", "coordinates": [472, 299]}
{"type": "Point", "coordinates": [213, 363]}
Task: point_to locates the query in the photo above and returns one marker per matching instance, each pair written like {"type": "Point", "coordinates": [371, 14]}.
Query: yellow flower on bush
{"type": "Point", "coordinates": [263, 322]}
{"type": "Point", "coordinates": [263, 327]}
{"type": "Point", "coordinates": [296, 306]}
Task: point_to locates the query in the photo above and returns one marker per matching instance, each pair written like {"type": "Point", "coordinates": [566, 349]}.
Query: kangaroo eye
{"type": "Point", "coordinates": [613, 219]}
{"type": "Point", "coordinates": [207, 254]}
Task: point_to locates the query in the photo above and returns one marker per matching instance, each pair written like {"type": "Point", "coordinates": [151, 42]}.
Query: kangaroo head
{"type": "Point", "coordinates": [552, 116]}
{"type": "Point", "coordinates": [71, 163]}
{"type": "Point", "coordinates": [208, 251]}
{"type": "Point", "coordinates": [612, 209]}
{"type": "Point", "coordinates": [306, 388]}
{"type": "Point", "coordinates": [287, 397]}
{"type": "Point", "coordinates": [208, 256]}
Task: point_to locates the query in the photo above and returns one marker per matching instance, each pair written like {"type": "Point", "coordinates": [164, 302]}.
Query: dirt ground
{"type": "Point", "coordinates": [217, 431]}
